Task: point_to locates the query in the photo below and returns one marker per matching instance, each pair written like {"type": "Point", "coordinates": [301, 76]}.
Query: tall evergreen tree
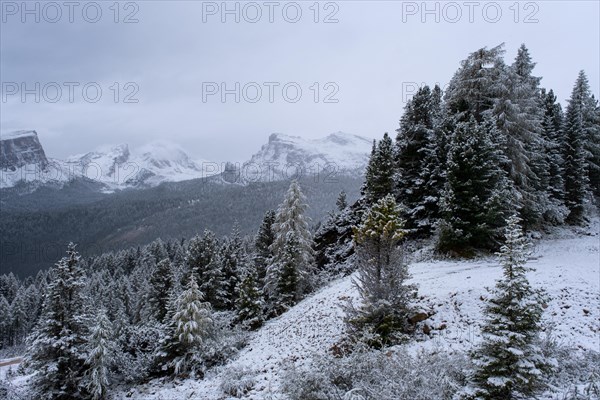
{"type": "Point", "coordinates": [5, 322]}
{"type": "Point", "coordinates": [576, 166]}
{"type": "Point", "coordinates": [189, 330]}
{"type": "Point", "coordinates": [249, 304]}
{"type": "Point", "coordinates": [473, 90]}
{"type": "Point", "coordinates": [262, 246]}
{"type": "Point", "coordinates": [379, 176]}
{"type": "Point", "coordinates": [233, 261]}
{"type": "Point", "coordinates": [519, 117]}
{"type": "Point", "coordinates": [101, 353]}
{"type": "Point", "coordinates": [509, 363]}
{"type": "Point", "coordinates": [291, 230]}
{"type": "Point", "coordinates": [585, 104]}
{"type": "Point", "coordinates": [161, 284]}
{"type": "Point", "coordinates": [552, 130]}
{"type": "Point", "coordinates": [21, 317]}
{"type": "Point", "coordinates": [56, 348]}
{"type": "Point", "coordinates": [416, 159]}
{"type": "Point", "coordinates": [592, 144]}
{"type": "Point", "coordinates": [204, 263]}
{"type": "Point", "coordinates": [477, 193]}
{"type": "Point", "coordinates": [382, 318]}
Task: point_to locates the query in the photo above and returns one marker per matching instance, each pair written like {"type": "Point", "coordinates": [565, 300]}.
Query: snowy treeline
{"type": "Point", "coordinates": [463, 161]}
{"type": "Point", "coordinates": [166, 309]}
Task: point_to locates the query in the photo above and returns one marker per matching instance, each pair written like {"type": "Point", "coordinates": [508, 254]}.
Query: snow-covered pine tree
{"type": "Point", "coordinates": [576, 169]}
{"type": "Point", "coordinates": [592, 144]}
{"type": "Point", "coordinates": [477, 195]}
{"type": "Point", "coordinates": [552, 125]}
{"type": "Point", "coordinates": [379, 176]}
{"type": "Point", "coordinates": [56, 348]}
{"type": "Point", "coordinates": [382, 318]}
{"type": "Point", "coordinates": [21, 319]}
{"type": "Point", "coordinates": [203, 261]}
{"type": "Point", "coordinates": [587, 105]}
{"type": "Point", "coordinates": [552, 129]}
{"type": "Point", "coordinates": [509, 364]}
{"type": "Point", "coordinates": [101, 353]}
{"type": "Point", "coordinates": [416, 160]}
{"type": "Point", "coordinates": [189, 329]}
{"type": "Point", "coordinates": [161, 283]}
{"type": "Point", "coordinates": [341, 202]}
{"type": "Point", "coordinates": [290, 228]}
{"type": "Point", "coordinates": [262, 246]}
{"type": "Point", "coordinates": [249, 304]}
{"type": "Point", "coordinates": [5, 322]}
{"type": "Point", "coordinates": [9, 285]}
{"type": "Point", "coordinates": [472, 91]}
{"type": "Point", "coordinates": [485, 86]}
{"type": "Point", "coordinates": [233, 260]}
{"type": "Point", "coordinates": [519, 117]}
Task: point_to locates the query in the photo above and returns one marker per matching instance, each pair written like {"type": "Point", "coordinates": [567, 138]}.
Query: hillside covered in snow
{"type": "Point", "coordinates": [567, 266]}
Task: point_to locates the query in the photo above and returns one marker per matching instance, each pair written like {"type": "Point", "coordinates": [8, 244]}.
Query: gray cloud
{"type": "Point", "coordinates": [371, 54]}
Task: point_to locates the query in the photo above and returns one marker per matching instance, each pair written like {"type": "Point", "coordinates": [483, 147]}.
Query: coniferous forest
{"type": "Point", "coordinates": [477, 173]}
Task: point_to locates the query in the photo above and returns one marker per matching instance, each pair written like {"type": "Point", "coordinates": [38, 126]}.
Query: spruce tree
{"type": "Point", "coordinates": [203, 261]}
{"type": "Point", "coordinates": [477, 195]}
{"type": "Point", "coordinates": [188, 331]}
{"type": "Point", "coordinates": [341, 201]}
{"type": "Point", "coordinates": [233, 261]}
{"type": "Point", "coordinates": [5, 322]}
{"type": "Point", "coordinates": [101, 353]}
{"type": "Point", "coordinates": [21, 317]}
{"type": "Point", "coordinates": [519, 117]}
{"type": "Point", "coordinates": [592, 144]}
{"type": "Point", "coordinates": [416, 160]}
{"type": "Point", "coordinates": [379, 176]}
{"type": "Point", "coordinates": [552, 130]}
{"type": "Point", "coordinates": [509, 363]}
{"type": "Point", "coordinates": [382, 318]}
{"type": "Point", "coordinates": [56, 348]}
{"type": "Point", "coordinates": [291, 229]}
{"type": "Point", "coordinates": [576, 167]}
{"type": "Point", "coordinates": [473, 90]}
{"type": "Point", "coordinates": [262, 246]}
{"type": "Point", "coordinates": [161, 284]}
{"type": "Point", "coordinates": [249, 304]}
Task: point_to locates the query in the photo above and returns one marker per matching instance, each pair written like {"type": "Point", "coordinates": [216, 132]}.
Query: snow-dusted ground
{"type": "Point", "coordinates": [567, 266]}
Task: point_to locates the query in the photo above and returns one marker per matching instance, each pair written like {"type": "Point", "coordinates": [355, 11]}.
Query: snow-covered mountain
{"type": "Point", "coordinates": [22, 158]}
{"type": "Point", "coordinates": [285, 157]}
{"type": "Point", "coordinates": [149, 165]}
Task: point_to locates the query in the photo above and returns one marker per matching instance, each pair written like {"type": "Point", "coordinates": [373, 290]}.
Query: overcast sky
{"type": "Point", "coordinates": [369, 61]}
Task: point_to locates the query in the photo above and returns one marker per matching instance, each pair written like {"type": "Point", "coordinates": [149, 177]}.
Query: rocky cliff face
{"type": "Point", "coordinates": [21, 148]}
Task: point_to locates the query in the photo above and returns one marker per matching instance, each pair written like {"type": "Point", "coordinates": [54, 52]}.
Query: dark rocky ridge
{"type": "Point", "coordinates": [21, 148]}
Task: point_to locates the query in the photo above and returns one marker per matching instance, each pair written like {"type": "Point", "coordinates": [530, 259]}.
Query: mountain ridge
{"type": "Point", "coordinates": [118, 167]}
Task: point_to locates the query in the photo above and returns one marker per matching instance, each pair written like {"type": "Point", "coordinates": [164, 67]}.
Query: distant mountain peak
{"type": "Point", "coordinates": [339, 153]}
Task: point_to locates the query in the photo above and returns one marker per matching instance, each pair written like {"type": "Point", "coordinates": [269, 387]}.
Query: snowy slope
{"type": "Point", "coordinates": [284, 157]}
{"type": "Point", "coordinates": [567, 266]}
